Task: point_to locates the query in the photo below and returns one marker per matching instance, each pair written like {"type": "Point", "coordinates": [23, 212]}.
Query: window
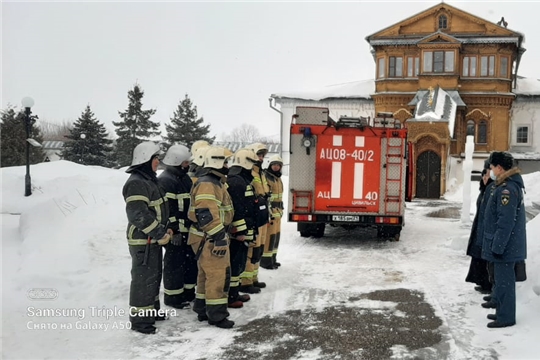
{"type": "Point", "coordinates": [413, 66]}
{"type": "Point", "coordinates": [439, 61]}
{"type": "Point", "coordinates": [382, 68]}
{"type": "Point", "coordinates": [503, 67]}
{"type": "Point", "coordinates": [479, 131]}
{"type": "Point", "coordinates": [469, 66]}
{"type": "Point", "coordinates": [481, 137]}
{"type": "Point", "coordinates": [487, 66]}
{"type": "Point", "coordinates": [522, 135]}
{"type": "Point", "coordinates": [443, 22]}
{"type": "Point", "coordinates": [395, 66]}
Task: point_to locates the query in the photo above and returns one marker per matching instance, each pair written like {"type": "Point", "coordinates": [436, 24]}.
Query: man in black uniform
{"type": "Point", "coordinates": [180, 266]}
{"type": "Point", "coordinates": [243, 227]}
{"type": "Point", "coordinates": [147, 212]}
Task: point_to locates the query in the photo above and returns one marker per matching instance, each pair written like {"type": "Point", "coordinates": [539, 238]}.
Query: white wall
{"type": "Point", "coordinates": [525, 112]}
{"type": "Point", "coordinates": [337, 108]}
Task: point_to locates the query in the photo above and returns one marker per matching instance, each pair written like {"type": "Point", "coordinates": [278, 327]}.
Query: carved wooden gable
{"type": "Point", "coordinates": [453, 20]}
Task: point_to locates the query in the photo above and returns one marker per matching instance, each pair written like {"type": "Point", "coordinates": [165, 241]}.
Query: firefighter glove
{"type": "Point", "coordinates": [177, 239]}
{"type": "Point", "coordinates": [165, 239]}
{"type": "Point", "coordinates": [221, 244]}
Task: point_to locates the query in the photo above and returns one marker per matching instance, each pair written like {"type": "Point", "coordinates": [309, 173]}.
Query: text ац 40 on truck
{"type": "Point", "coordinates": [349, 172]}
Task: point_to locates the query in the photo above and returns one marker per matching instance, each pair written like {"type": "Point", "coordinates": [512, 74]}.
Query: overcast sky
{"type": "Point", "coordinates": [228, 57]}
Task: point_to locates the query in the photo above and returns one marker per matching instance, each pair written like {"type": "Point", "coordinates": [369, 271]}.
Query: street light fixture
{"type": "Point", "coordinates": [29, 120]}
{"type": "Point", "coordinates": [83, 136]}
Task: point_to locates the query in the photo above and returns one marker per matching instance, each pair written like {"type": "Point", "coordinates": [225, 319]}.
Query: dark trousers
{"type": "Point", "coordinates": [190, 272]}
{"type": "Point", "coordinates": [505, 291]}
{"type": "Point", "coordinates": [478, 273]}
{"type": "Point", "coordinates": [144, 288]}
{"type": "Point", "coordinates": [173, 274]}
{"type": "Point", "coordinates": [239, 252]}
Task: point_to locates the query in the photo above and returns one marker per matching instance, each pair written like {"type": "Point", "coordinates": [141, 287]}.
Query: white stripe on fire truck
{"type": "Point", "coordinates": [358, 180]}
{"type": "Point", "coordinates": [335, 191]}
{"type": "Point", "coordinates": [359, 141]}
{"type": "Point", "coordinates": [337, 140]}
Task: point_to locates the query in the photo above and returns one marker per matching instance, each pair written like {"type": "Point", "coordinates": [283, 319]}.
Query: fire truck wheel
{"type": "Point", "coordinates": [388, 233]}
{"type": "Point", "coordinates": [319, 231]}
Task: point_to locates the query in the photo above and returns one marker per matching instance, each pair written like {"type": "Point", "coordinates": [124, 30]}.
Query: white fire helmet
{"type": "Point", "coordinates": [176, 155]}
{"type": "Point", "coordinates": [275, 159]}
{"type": "Point", "coordinates": [199, 144]}
{"type": "Point", "coordinates": [245, 158]}
{"type": "Point", "coordinates": [258, 148]}
{"type": "Point", "coordinates": [216, 156]}
{"type": "Point", "coordinates": [143, 153]}
{"type": "Point", "coordinates": [197, 157]}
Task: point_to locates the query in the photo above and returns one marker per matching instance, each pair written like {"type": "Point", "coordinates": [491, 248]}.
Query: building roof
{"type": "Point", "coordinates": [436, 105]}
{"type": "Point", "coordinates": [453, 94]}
{"type": "Point", "coordinates": [364, 89]}
{"type": "Point", "coordinates": [461, 39]}
{"type": "Point", "coordinates": [233, 146]}
{"type": "Point", "coordinates": [352, 90]}
{"type": "Point", "coordinates": [53, 145]}
{"type": "Point", "coordinates": [431, 10]}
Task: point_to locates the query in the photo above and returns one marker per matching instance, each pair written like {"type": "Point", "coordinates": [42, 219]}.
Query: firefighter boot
{"type": "Point", "coordinates": [259, 284]}
{"type": "Point", "coordinates": [235, 304]}
{"type": "Point", "coordinates": [276, 264]}
{"type": "Point", "coordinates": [244, 297]}
{"type": "Point", "coordinates": [266, 263]}
{"type": "Point", "coordinates": [250, 289]}
{"type": "Point", "coordinates": [224, 324]}
{"type": "Point", "coordinates": [145, 330]}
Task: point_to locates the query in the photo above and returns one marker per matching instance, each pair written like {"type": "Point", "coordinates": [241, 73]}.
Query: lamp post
{"type": "Point", "coordinates": [83, 136]}
{"type": "Point", "coordinates": [27, 104]}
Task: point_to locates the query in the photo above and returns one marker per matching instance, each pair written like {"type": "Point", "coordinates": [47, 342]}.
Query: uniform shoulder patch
{"type": "Point", "coordinates": [505, 192]}
{"type": "Point", "coordinates": [505, 199]}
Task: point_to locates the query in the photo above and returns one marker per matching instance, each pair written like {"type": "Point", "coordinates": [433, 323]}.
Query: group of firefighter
{"type": "Point", "coordinates": [217, 217]}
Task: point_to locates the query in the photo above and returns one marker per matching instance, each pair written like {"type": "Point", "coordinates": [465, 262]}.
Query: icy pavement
{"type": "Point", "coordinates": [347, 295]}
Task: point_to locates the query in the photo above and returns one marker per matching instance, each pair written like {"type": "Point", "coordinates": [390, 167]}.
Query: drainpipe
{"type": "Point", "coordinates": [271, 102]}
{"type": "Point", "coordinates": [518, 60]}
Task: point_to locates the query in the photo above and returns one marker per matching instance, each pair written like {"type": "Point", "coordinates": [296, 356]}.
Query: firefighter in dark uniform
{"type": "Point", "coordinates": [211, 211]}
{"type": "Point", "coordinates": [180, 266]}
{"type": "Point", "coordinates": [250, 277]}
{"type": "Point", "coordinates": [505, 238]}
{"type": "Point", "coordinates": [273, 177]}
{"type": "Point", "coordinates": [243, 227]}
{"type": "Point", "coordinates": [147, 212]}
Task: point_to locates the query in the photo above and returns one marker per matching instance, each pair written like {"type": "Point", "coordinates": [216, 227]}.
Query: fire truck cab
{"type": "Point", "coordinates": [350, 172]}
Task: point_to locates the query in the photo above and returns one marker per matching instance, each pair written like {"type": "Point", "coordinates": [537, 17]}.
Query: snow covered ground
{"type": "Point", "coordinates": [69, 237]}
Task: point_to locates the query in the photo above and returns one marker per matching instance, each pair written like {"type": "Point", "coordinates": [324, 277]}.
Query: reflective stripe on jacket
{"type": "Point", "coordinates": [146, 209]}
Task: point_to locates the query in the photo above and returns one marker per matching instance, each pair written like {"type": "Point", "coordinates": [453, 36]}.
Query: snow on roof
{"type": "Point", "coordinates": [437, 106]}
{"type": "Point", "coordinates": [364, 88]}
{"type": "Point", "coordinates": [351, 90]}
{"type": "Point", "coordinates": [527, 86]}
{"type": "Point", "coordinates": [525, 155]}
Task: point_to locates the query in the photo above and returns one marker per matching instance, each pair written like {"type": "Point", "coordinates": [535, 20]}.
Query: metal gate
{"type": "Point", "coordinates": [428, 175]}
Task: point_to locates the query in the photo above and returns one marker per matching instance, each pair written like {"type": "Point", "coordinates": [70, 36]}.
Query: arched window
{"type": "Point", "coordinates": [481, 136]}
{"type": "Point", "coordinates": [443, 22]}
{"type": "Point", "coordinates": [470, 128]}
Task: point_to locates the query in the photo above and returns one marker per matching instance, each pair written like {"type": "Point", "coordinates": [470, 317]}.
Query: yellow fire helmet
{"type": "Point", "coordinates": [245, 158]}
{"type": "Point", "coordinates": [216, 157]}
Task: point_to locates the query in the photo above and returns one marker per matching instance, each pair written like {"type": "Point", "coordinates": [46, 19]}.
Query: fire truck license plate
{"type": "Point", "coordinates": [345, 218]}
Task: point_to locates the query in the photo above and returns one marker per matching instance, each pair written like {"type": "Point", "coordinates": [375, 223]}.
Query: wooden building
{"type": "Point", "coordinates": [473, 60]}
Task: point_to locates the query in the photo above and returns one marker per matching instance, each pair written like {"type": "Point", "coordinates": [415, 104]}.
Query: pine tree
{"type": "Point", "coordinates": [13, 139]}
{"type": "Point", "coordinates": [186, 127]}
{"type": "Point", "coordinates": [90, 144]}
{"type": "Point", "coordinates": [134, 128]}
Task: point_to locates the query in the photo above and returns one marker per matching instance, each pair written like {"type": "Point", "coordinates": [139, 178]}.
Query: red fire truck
{"type": "Point", "coordinates": [350, 172]}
